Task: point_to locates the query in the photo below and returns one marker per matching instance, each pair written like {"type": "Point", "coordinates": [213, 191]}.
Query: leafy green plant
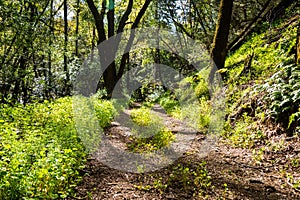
{"type": "Point", "coordinates": [161, 139]}
{"type": "Point", "coordinates": [201, 87]}
{"type": "Point", "coordinates": [141, 116]}
{"type": "Point", "coordinates": [267, 54]}
{"type": "Point", "coordinates": [105, 111]}
{"type": "Point", "coordinates": [158, 184]}
{"type": "Point", "coordinates": [150, 134]}
{"type": "Point", "coordinates": [282, 96]}
{"type": "Point", "coordinates": [169, 103]}
{"type": "Point", "coordinates": [41, 153]}
{"type": "Point", "coordinates": [292, 181]}
{"type": "Point", "coordinates": [269, 90]}
{"type": "Point", "coordinates": [148, 92]}
{"type": "Point", "coordinates": [190, 177]}
{"type": "Point", "coordinates": [258, 155]}
{"type": "Point", "coordinates": [295, 162]}
{"type": "Point", "coordinates": [244, 134]}
{"type": "Point", "coordinates": [294, 122]}
{"type": "Point", "coordinates": [197, 115]}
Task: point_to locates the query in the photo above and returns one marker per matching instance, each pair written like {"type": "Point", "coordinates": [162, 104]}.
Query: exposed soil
{"type": "Point", "coordinates": [235, 173]}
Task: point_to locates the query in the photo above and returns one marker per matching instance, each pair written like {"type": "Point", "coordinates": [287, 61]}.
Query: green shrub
{"type": "Point", "coordinates": [197, 115]}
{"type": "Point", "coordinates": [169, 103]}
{"type": "Point", "coordinates": [269, 90]}
{"type": "Point", "coordinates": [141, 116]}
{"type": "Point", "coordinates": [149, 131]}
{"type": "Point", "coordinates": [105, 112]}
{"type": "Point", "coordinates": [294, 121]}
{"type": "Point", "coordinates": [201, 90]}
{"type": "Point", "coordinates": [41, 152]}
{"type": "Point", "coordinates": [267, 54]}
{"type": "Point", "coordinates": [194, 109]}
{"type": "Point", "coordinates": [281, 97]}
{"type": "Point", "coordinates": [201, 85]}
{"type": "Point", "coordinates": [160, 139]}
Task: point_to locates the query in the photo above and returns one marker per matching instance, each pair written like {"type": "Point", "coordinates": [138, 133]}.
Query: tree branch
{"type": "Point", "coordinates": [140, 14]}
{"type": "Point", "coordinates": [179, 25]}
{"type": "Point", "coordinates": [135, 24]}
{"type": "Point", "coordinates": [200, 17]}
{"type": "Point", "coordinates": [111, 18]}
{"type": "Point", "coordinates": [238, 40]}
{"type": "Point", "coordinates": [98, 19]}
{"type": "Point", "coordinates": [125, 17]}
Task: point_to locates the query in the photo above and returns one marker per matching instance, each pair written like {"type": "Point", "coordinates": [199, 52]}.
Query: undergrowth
{"type": "Point", "coordinates": [263, 87]}
{"type": "Point", "coordinates": [149, 132]}
{"type": "Point", "coordinates": [192, 179]}
{"type": "Point", "coordinates": [190, 102]}
{"type": "Point", "coordinates": [40, 150]}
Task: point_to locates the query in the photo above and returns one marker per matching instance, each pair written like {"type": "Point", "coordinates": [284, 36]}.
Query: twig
{"type": "Point", "coordinates": [290, 184]}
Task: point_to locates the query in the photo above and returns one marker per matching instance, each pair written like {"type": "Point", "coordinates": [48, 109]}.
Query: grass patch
{"type": "Point", "coordinates": [161, 139]}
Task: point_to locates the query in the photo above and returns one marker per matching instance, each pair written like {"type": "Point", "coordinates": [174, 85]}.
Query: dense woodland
{"type": "Point", "coordinates": [50, 134]}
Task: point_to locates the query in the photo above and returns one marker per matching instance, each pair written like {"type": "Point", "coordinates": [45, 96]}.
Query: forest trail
{"type": "Point", "coordinates": [233, 171]}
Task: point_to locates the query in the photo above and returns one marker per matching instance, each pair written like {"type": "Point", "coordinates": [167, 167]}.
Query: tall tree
{"type": "Point", "coordinates": [33, 64]}
{"type": "Point", "coordinates": [67, 79]}
{"type": "Point", "coordinates": [51, 27]}
{"type": "Point", "coordinates": [114, 72]}
{"type": "Point", "coordinates": [219, 47]}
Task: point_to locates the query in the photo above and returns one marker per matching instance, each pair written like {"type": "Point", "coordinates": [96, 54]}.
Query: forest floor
{"type": "Point", "coordinates": [234, 172]}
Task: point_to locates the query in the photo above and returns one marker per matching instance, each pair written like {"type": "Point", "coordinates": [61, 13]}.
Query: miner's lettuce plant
{"type": "Point", "coordinates": [41, 153]}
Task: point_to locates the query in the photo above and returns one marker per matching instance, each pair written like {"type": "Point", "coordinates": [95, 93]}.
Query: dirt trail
{"type": "Point", "coordinates": [234, 173]}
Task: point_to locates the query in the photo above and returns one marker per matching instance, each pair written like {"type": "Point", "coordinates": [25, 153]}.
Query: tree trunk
{"type": "Point", "coordinates": [219, 48]}
{"type": "Point", "coordinates": [298, 46]}
{"type": "Point", "coordinates": [77, 27]}
{"type": "Point", "coordinates": [157, 61]}
{"type": "Point", "coordinates": [110, 75]}
{"type": "Point", "coordinates": [49, 83]}
{"type": "Point", "coordinates": [67, 79]}
{"type": "Point", "coordinates": [279, 9]}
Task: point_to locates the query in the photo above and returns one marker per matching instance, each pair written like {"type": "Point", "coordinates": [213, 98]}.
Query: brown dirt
{"type": "Point", "coordinates": [245, 177]}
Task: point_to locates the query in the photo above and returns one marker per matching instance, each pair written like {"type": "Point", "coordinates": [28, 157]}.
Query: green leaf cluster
{"type": "Point", "coordinates": [41, 154]}
{"type": "Point", "coordinates": [282, 96]}
{"type": "Point", "coordinates": [150, 133]}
